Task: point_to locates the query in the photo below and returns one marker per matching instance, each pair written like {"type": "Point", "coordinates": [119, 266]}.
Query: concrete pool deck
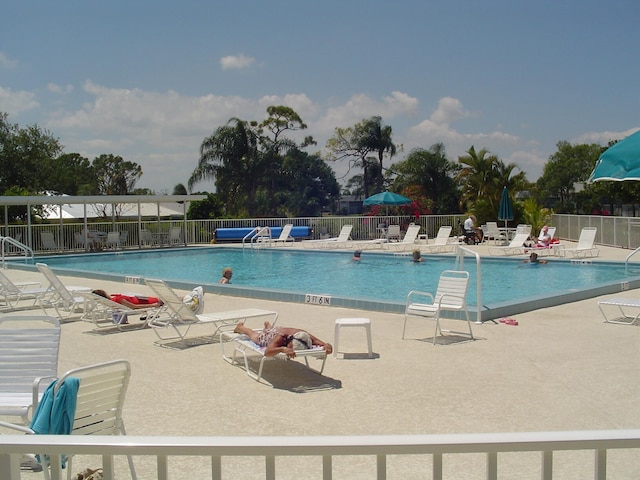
{"type": "Point", "coordinates": [561, 368]}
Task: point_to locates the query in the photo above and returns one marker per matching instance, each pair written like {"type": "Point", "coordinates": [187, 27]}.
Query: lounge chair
{"type": "Point", "coordinates": [48, 241]}
{"type": "Point", "coordinates": [493, 232]}
{"type": "Point", "coordinates": [285, 236]}
{"type": "Point", "coordinates": [515, 247]}
{"type": "Point", "coordinates": [104, 312]}
{"type": "Point", "coordinates": [441, 242]}
{"type": "Point", "coordinates": [551, 249]}
{"type": "Point", "coordinates": [29, 348]}
{"type": "Point", "coordinates": [335, 242]}
{"type": "Point", "coordinates": [14, 293]}
{"type": "Point", "coordinates": [179, 318]}
{"type": "Point", "coordinates": [64, 300]}
{"type": "Point", "coordinates": [409, 240]}
{"type": "Point", "coordinates": [100, 392]}
{"type": "Point", "coordinates": [623, 305]}
{"type": "Point", "coordinates": [245, 348]}
{"type": "Point", "coordinates": [393, 233]}
{"type": "Point", "coordinates": [450, 296]}
{"type": "Point", "coordinates": [585, 246]}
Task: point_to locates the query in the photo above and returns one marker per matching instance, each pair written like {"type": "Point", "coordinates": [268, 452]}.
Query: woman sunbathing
{"type": "Point", "coordinates": [282, 339]}
{"type": "Point", "coordinates": [131, 301]}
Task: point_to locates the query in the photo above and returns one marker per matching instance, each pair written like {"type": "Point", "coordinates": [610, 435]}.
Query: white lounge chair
{"type": "Point", "coordinates": [493, 232]}
{"type": "Point", "coordinates": [335, 242]}
{"type": "Point", "coordinates": [542, 250]}
{"type": "Point", "coordinates": [29, 348]}
{"type": "Point", "coordinates": [285, 236]}
{"type": "Point", "coordinates": [623, 305]}
{"type": "Point", "coordinates": [450, 296]}
{"type": "Point", "coordinates": [393, 233]}
{"type": "Point", "coordinates": [64, 300]}
{"type": "Point", "coordinates": [179, 318]}
{"type": "Point", "coordinates": [243, 347]}
{"type": "Point", "coordinates": [441, 242]}
{"type": "Point", "coordinates": [585, 246]}
{"type": "Point", "coordinates": [409, 240]}
{"type": "Point", "coordinates": [48, 241]}
{"type": "Point", "coordinates": [515, 247]}
{"type": "Point", "coordinates": [14, 293]}
{"type": "Point", "coordinates": [100, 396]}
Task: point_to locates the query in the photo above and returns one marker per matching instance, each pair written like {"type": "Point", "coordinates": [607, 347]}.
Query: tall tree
{"type": "Point", "coordinates": [231, 157]}
{"type": "Point", "coordinates": [26, 156]}
{"type": "Point", "coordinates": [356, 143]}
{"type": "Point", "coordinates": [378, 138]}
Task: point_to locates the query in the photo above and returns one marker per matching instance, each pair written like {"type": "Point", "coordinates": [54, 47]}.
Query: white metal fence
{"type": "Point", "coordinates": [327, 449]}
{"type": "Point", "coordinates": [614, 231]}
{"type": "Point", "coordinates": [68, 236]}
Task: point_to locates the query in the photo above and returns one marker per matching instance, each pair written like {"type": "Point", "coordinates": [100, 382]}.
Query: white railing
{"type": "Point", "coordinates": [7, 242]}
{"type": "Point", "coordinates": [462, 251]}
{"type": "Point", "coordinates": [326, 449]}
{"type": "Point", "coordinates": [612, 231]}
{"type": "Point", "coordinates": [68, 234]}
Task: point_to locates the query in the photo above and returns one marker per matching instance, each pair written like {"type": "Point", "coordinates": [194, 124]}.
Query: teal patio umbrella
{"type": "Point", "coordinates": [505, 211]}
{"type": "Point", "coordinates": [619, 162]}
{"type": "Point", "coordinates": [387, 199]}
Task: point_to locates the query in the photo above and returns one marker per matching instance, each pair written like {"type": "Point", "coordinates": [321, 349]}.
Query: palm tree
{"type": "Point", "coordinates": [476, 175]}
{"type": "Point", "coordinates": [378, 138]}
{"type": "Point", "coordinates": [232, 157]}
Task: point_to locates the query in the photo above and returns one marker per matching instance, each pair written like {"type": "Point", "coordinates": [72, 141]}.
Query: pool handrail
{"type": "Point", "coordinates": [28, 252]}
{"type": "Point", "coordinates": [460, 266]}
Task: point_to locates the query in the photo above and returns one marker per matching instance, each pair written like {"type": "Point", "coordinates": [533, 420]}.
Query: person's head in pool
{"type": "Point", "coordinates": [356, 256]}
{"type": "Point", "coordinates": [227, 273]}
{"type": "Point", "coordinates": [416, 256]}
{"type": "Point", "coordinates": [533, 258]}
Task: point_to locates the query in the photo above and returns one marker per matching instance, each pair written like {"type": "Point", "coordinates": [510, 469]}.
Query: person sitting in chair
{"type": "Point", "coordinates": [471, 230]}
{"type": "Point", "coordinates": [282, 339]}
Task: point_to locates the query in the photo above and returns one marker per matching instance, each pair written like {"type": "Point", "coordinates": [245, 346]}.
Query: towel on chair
{"type": "Point", "coordinates": [55, 416]}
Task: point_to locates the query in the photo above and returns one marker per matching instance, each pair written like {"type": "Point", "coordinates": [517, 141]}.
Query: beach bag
{"type": "Point", "coordinates": [120, 318]}
{"type": "Point", "coordinates": [195, 300]}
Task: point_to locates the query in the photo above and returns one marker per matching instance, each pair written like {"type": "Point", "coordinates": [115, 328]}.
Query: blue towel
{"type": "Point", "coordinates": [55, 416]}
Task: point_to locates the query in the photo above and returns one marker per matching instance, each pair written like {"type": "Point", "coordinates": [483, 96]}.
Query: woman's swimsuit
{"type": "Point", "coordinates": [266, 336]}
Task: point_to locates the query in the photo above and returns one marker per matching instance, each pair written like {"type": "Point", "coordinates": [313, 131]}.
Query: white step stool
{"type": "Point", "coordinates": [352, 322]}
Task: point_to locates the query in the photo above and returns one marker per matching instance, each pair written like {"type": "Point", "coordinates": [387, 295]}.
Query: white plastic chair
{"type": "Point", "coordinates": [99, 402]}
{"type": "Point", "coordinates": [113, 240]}
{"type": "Point", "coordinates": [29, 348]}
{"type": "Point", "coordinates": [585, 246]}
{"type": "Point", "coordinates": [450, 296]}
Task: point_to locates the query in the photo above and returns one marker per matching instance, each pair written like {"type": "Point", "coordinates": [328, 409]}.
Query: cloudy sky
{"type": "Point", "coordinates": [149, 80]}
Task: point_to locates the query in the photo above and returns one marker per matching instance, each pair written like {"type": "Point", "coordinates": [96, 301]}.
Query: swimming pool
{"type": "Point", "coordinates": [380, 281]}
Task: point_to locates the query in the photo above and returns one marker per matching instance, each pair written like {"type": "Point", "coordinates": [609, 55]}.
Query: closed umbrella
{"type": "Point", "coordinates": [386, 198]}
{"type": "Point", "coordinates": [620, 161]}
{"type": "Point", "coordinates": [505, 211]}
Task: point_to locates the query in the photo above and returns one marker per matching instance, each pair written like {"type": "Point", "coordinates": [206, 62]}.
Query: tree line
{"type": "Point", "coordinates": [259, 169]}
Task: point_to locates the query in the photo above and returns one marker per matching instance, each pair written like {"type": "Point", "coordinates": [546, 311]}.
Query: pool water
{"type": "Point", "coordinates": [376, 277]}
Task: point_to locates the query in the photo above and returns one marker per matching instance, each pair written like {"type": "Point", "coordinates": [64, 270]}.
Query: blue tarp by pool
{"type": "Point", "coordinates": [237, 234]}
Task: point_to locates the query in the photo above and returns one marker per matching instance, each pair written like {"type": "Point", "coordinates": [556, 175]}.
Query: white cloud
{"type": "Point", "coordinates": [6, 62]}
{"type": "Point", "coordinates": [13, 102]}
{"type": "Point", "coordinates": [236, 62]}
{"type": "Point", "coordinates": [61, 89]}
{"type": "Point", "coordinates": [603, 138]}
{"type": "Point", "coordinates": [449, 110]}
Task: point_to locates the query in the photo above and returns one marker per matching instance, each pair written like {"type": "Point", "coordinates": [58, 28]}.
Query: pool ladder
{"type": "Point", "coordinates": [7, 241]}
